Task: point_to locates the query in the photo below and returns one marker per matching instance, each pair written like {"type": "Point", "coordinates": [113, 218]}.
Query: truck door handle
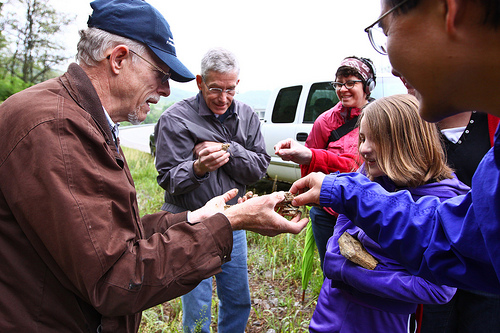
{"type": "Point", "coordinates": [301, 136]}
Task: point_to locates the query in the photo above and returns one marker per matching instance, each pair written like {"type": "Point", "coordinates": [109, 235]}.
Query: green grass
{"type": "Point", "coordinates": [274, 269]}
{"type": "Point", "coordinates": [149, 193]}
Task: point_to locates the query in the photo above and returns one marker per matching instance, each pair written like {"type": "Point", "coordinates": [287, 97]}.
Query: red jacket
{"type": "Point", "coordinates": [492, 127]}
{"type": "Point", "coordinates": [341, 155]}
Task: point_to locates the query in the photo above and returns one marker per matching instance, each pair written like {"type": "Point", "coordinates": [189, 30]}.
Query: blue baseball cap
{"type": "Point", "coordinates": [138, 20]}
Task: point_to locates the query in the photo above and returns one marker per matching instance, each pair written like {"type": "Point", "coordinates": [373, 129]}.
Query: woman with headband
{"type": "Point", "coordinates": [332, 144]}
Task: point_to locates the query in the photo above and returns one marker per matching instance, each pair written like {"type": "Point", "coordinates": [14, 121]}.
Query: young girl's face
{"type": "Point", "coordinates": [368, 149]}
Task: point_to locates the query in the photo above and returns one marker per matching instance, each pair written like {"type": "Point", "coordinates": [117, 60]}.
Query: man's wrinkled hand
{"type": "Point", "coordinates": [258, 214]}
{"type": "Point", "coordinates": [210, 157]}
{"type": "Point", "coordinates": [247, 196]}
{"type": "Point", "coordinates": [213, 206]}
{"type": "Point", "coordinates": [215, 146]}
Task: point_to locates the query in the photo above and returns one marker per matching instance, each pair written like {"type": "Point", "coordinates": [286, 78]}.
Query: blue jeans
{"type": "Point", "coordinates": [232, 290]}
{"type": "Point", "coordinates": [322, 225]}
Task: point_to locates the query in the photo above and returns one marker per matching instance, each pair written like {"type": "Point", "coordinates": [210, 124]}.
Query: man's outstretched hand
{"type": "Point", "coordinates": [258, 214]}
{"type": "Point", "coordinates": [255, 214]}
{"type": "Point", "coordinates": [213, 206]}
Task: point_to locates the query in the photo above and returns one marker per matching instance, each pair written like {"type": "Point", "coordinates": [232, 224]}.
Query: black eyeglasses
{"type": "Point", "coordinates": [377, 37]}
{"type": "Point", "coordinates": [348, 84]}
{"type": "Point", "coordinates": [166, 76]}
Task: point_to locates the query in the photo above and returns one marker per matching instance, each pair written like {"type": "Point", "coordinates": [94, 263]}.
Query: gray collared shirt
{"type": "Point", "coordinates": [189, 122]}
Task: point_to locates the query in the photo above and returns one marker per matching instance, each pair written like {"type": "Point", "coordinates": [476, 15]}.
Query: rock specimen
{"type": "Point", "coordinates": [353, 250]}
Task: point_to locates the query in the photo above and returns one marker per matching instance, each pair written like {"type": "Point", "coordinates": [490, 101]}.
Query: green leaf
{"type": "Point", "coordinates": [308, 256]}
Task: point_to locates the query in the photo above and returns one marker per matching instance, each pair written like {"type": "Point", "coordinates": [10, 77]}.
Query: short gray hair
{"type": "Point", "coordinates": [94, 43]}
{"type": "Point", "coordinates": [219, 60]}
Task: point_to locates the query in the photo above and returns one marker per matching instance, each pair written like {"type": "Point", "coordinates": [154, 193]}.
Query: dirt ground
{"type": "Point", "coordinates": [268, 313]}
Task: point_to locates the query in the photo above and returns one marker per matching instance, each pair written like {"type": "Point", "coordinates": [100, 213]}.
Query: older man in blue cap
{"type": "Point", "coordinates": [76, 256]}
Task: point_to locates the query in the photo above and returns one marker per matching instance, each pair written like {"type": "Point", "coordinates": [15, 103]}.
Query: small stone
{"type": "Point", "coordinates": [274, 301]}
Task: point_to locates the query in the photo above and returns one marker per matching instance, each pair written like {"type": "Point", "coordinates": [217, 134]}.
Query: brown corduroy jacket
{"type": "Point", "coordinates": [75, 255]}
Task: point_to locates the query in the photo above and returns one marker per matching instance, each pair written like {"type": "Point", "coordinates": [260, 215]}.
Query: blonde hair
{"type": "Point", "coordinates": [408, 148]}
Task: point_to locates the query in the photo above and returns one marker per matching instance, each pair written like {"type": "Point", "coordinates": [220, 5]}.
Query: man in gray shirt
{"type": "Point", "coordinates": [207, 145]}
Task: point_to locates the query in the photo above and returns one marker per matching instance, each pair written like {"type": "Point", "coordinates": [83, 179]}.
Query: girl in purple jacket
{"type": "Point", "coordinates": [400, 151]}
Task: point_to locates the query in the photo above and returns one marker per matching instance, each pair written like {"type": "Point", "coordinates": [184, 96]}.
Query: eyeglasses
{"type": "Point", "coordinates": [166, 76]}
{"type": "Point", "coordinates": [348, 84]}
{"type": "Point", "coordinates": [219, 91]}
{"type": "Point", "coordinates": [377, 37]}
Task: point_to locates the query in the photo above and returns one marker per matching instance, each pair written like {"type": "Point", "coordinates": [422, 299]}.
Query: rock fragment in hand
{"type": "Point", "coordinates": [285, 207]}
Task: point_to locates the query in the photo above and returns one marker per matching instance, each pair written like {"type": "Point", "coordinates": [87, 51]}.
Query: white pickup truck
{"type": "Point", "coordinates": [291, 112]}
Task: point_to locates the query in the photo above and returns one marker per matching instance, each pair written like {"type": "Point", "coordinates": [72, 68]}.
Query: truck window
{"type": "Point", "coordinates": [321, 97]}
{"type": "Point", "coordinates": [286, 103]}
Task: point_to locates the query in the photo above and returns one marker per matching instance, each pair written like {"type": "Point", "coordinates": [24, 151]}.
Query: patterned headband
{"type": "Point", "coordinates": [359, 66]}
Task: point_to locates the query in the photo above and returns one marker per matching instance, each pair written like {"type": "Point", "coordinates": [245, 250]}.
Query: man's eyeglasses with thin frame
{"type": "Point", "coordinates": [377, 37]}
{"type": "Point", "coordinates": [219, 91]}
{"type": "Point", "coordinates": [166, 76]}
{"type": "Point", "coordinates": [348, 84]}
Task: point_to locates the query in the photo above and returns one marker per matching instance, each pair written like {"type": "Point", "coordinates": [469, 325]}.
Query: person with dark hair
{"type": "Point", "coordinates": [332, 144]}
{"type": "Point", "coordinates": [438, 46]}
{"type": "Point", "coordinates": [76, 255]}
{"type": "Point", "coordinates": [466, 137]}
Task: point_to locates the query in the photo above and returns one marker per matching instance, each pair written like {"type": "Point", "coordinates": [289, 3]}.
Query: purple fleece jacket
{"type": "Point", "coordinates": [355, 299]}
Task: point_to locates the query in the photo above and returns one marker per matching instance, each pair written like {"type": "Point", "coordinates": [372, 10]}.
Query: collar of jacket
{"type": "Point", "coordinates": [81, 90]}
{"type": "Point", "coordinates": [346, 113]}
